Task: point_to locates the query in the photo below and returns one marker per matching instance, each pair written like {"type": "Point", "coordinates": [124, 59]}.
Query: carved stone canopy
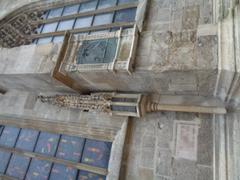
{"type": "Point", "coordinates": [134, 105]}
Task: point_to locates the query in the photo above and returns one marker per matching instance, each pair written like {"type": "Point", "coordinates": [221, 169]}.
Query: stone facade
{"type": "Point", "coordinates": [186, 48]}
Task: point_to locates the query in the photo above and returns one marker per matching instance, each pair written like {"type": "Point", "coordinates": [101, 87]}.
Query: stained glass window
{"type": "Point", "coordinates": [97, 51]}
{"type": "Point", "coordinates": [96, 153]}
{"type": "Point", "coordinates": [55, 13]}
{"type": "Point", "coordinates": [68, 10]}
{"type": "Point", "coordinates": [65, 25]}
{"type": "Point", "coordinates": [106, 3]}
{"type": "Point", "coordinates": [27, 139]}
{"type": "Point", "coordinates": [44, 40]}
{"type": "Point", "coordinates": [126, 15]}
{"type": "Point", "coordinates": [47, 143]}
{"type": "Point", "coordinates": [90, 176]}
{"type": "Point", "coordinates": [9, 136]}
{"type": "Point", "coordinates": [61, 172]}
{"type": "Point", "coordinates": [103, 19]}
{"type": "Point", "coordinates": [83, 22]}
{"type": "Point", "coordinates": [38, 170]}
{"type": "Point", "coordinates": [57, 39]}
{"type": "Point", "coordinates": [78, 22]}
{"type": "Point", "coordinates": [63, 147]}
{"type": "Point", "coordinates": [51, 27]}
{"type": "Point", "coordinates": [88, 6]}
{"type": "Point", "coordinates": [18, 166]}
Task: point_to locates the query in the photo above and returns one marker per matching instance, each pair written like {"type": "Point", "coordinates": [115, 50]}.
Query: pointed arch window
{"type": "Point", "coordinates": [47, 22]}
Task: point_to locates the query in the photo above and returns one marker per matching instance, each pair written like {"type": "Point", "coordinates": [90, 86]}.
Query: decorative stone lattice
{"type": "Point", "coordinates": [18, 30]}
{"type": "Point", "coordinates": [96, 103]}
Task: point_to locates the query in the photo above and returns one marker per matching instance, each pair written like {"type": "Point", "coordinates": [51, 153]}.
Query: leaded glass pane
{"type": "Point", "coordinates": [9, 136]}
{"type": "Point", "coordinates": [51, 27]}
{"type": "Point", "coordinates": [90, 176]}
{"type": "Point", "coordinates": [83, 22]}
{"type": "Point", "coordinates": [68, 10]}
{"type": "Point", "coordinates": [96, 153]}
{"type": "Point", "coordinates": [38, 170]}
{"type": "Point", "coordinates": [65, 25]}
{"type": "Point", "coordinates": [44, 40]}
{"type": "Point", "coordinates": [18, 166]}
{"type": "Point", "coordinates": [55, 13]}
{"type": "Point", "coordinates": [57, 39]}
{"type": "Point", "coordinates": [94, 51]}
{"type": "Point", "coordinates": [61, 172]}
{"type": "Point", "coordinates": [70, 148]}
{"type": "Point", "coordinates": [103, 19]}
{"type": "Point", "coordinates": [45, 14]}
{"type": "Point", "coordinates": [126, 15]}
{"type": "Point", "coordinates": [126, 1]}
{"type": "Point", "coordinates": [106, 3]}
{"type": "Point", "coordinates": [88, 6]}
{"type": "Point", "coordinates": [39, 29]}
{"type": "Point", "coordinates": [47, 143]}
{"type": "Point", "coordinates": [27, 139]}
{"type": "Point", "coordinates": [4, 157]}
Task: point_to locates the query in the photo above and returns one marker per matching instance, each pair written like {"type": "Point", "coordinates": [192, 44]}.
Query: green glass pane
{"type": "Point", "coordinates": [97, 51]}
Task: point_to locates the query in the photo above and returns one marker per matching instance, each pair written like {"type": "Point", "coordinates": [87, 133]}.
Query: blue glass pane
{"type": "Point", "coordinates": [106, 3]}
{"type": "Point", "coordinates": [61, 172]}
{"type": "Point", "coordinates": [97, 51]}
{"type": "Point", "coordinates": [9, 136]}
{"type": "Point", "coordinates": [27, 139]}
{"type": "Point", "coordinates": [18, 166]}
{"type": "Point", "coordinates": [68, 10]}
{"type": "Point", "coordinates": [38, 170]}
{"type": "Point", "coordinates": [83, 22]}
{"type": "Point", "coordinates": [39, 29]}
{"type": "Point", "coordinates": [88, 6]}
{"type": "Point", "coordinates": [70, 148]}
{"type": "Point", "coordinates": [96, 153]}
{"type": "Point", "coordinates": [47, 143]}
{"type": "Point", "coordinates": [1, 129]}
{"type": "Point", "coordinates": [126, 15]}
{"type": "Point", "coordinates": [45, 14]}
{"type": "Point", "coordinates": [57, 39]}
{"type": "Point", "coordinates": [65, 25]}
{"type": "Point", "coordinates": [44, 40]}
{"type": "Point", "coordinates": [126, 1]}
{"type": "Point", "coordinates": [51, 27]}
{"type": "Point", "coordinates": [84, 175]}
{"type": "Point", "coordinates": [4, 158]}
{"type": "Point", "coordinates": [55, 13]}
{"type": "Point", "coordinates": [103, 19]}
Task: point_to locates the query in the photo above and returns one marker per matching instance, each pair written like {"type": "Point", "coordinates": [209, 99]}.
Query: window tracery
{"type": "Point", "coordinates": [49, 22]}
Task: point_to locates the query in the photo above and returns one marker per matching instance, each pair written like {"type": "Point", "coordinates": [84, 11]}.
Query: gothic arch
{"type": "Point", "coordinates": [19, 27]}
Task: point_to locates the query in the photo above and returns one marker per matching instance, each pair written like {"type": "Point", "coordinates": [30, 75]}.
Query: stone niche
{"type": "Point", "coordinates": [102, 52]}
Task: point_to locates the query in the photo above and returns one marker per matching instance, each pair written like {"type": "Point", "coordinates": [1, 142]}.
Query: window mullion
{"type": "Point", "coordinates": [35, 145]}
{"type": "Point", "coordinates": [53, 159]}
{"type": "Point", "coordinates": [55, 153]}
{"type": "Point", "coordinates": [90, 13]}
{"type": "Point", "coordinates": [93, 16]}
{"type": "Point", "coordinates": [15, 143]}
{"type": "Point", "coordinates": [58, 23]}
{"type": "Point", "coordinates": [76, 17]}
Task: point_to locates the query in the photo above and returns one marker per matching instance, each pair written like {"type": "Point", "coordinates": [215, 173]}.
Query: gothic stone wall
{"type": "Point", "coordinates": [177, 52]}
